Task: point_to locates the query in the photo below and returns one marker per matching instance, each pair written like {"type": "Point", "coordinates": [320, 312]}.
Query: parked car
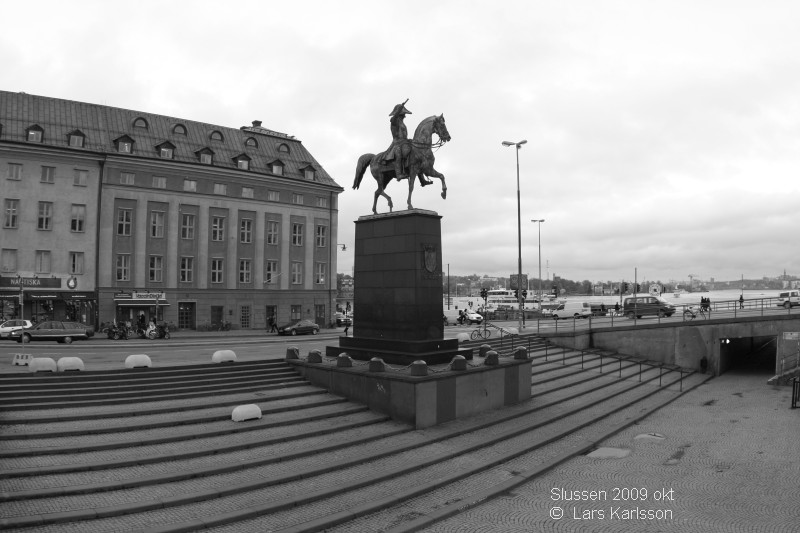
{"type": "Point", "coordinates": [13, 325]}
{"type": "Point", "coordinates": [639, 306]}
{"type": "Point", "coordinates": [89, 329]}
{"type": "Point", "coordinates": [52, 330]}
{"type": "Point", "coordinates": [299, 327]}
{"type": "Point", "coordinates": [474, 318]}
{"type": "Point", "coordinates": [342, 319]}
{"type": "Point", "coordinates": [572, 310]}
{"type": "Point", "coordinates": [789, 299]}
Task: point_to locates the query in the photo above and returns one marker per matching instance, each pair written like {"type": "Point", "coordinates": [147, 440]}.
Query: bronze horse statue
{"type": "Point", "coordinates": [418, 155]}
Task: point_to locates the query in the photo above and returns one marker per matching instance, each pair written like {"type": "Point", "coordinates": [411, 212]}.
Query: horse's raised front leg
{"type": "Point", "coordinates": [434, 174]}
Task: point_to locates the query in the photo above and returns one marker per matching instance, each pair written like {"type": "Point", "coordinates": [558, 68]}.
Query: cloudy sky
{"type": "Point", "coordinates": [662, 136]}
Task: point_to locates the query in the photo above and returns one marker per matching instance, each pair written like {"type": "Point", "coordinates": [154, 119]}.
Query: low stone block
{"type": "Point", "coordinates": [21, 359]}
{"type": "Point", "coordinates": [484, 349]}
{"type": "Point", "coordinates": [419, 368]}
{"type": "Point", "coordinates": [314, 356]}
{"type": "Point", "coordinates": [521, 352]}
{"type": "Point", "coordinates": [66, 364]}
{"type": "Point", "coordinates": [458, 363]}
{"type": "Point", "coordinates": [492, 358]}
{"type": "Point", "coordinates": [344, 361]}
{"type": "Point", "coordinates": [376, 364]}
{"type": "Point", "coordinates": [246, 412]}
{"type": "Point", "coordinates": [42, 364]}
{"type": "Point", "coordinates": [224, 356]}
{"type": "Point", "coordinates": [292, 352]}
{"type": "Point", "coordinates": [138, 360]}
{"type": "Point", "coordinates": [462, 337]}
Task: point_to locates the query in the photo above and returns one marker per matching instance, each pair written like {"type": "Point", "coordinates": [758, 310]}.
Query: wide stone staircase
{"type": "Point", "coordinates": [156, 449]}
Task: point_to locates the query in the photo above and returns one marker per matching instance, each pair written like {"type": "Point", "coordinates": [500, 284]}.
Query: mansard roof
{"type": "Point", "coordinates": [102, 125]}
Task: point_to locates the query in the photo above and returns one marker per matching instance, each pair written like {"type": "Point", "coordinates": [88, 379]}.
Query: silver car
{"type": "Point", "coordinates": [13, 325]}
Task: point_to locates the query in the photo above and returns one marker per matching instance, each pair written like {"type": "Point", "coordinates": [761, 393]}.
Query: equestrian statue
{"type": "Point", "coordinates": [405, 159]}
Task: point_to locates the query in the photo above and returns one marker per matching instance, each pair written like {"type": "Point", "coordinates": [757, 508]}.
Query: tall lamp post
{"type": "Point", "coordinates": [519, 232]}
{"type": "Point", "coordinates": [539, 221]}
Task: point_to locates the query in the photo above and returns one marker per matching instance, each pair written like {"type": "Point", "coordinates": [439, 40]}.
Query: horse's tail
{"type": "Point", "coordinates": [363, 163]}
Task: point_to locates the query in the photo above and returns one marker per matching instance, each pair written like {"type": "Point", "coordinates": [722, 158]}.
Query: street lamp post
{"type": "Point", "coordinates": [539, 221]}
{"type": "Point", "coordinates": [519, 232]}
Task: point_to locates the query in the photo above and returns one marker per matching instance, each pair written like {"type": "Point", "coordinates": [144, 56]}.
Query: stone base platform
{"type": "Point", "coordinates": [424, 401]}
{"type": "Point", "coordinates": [395, 352]}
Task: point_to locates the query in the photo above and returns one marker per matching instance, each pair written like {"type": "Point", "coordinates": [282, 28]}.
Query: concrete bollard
{"type": "Point", "coordinates": [462, 337]}
{"type": "Point", "coordinates": [315, 356]}
{"type": "Point", "coordinates": [492, 358]}
{"type": "Point", "coordinates": [344, 361]}
{"type": "Point", "coordinates": [224, 356]}
{"type": "Point", "coordinates": [292, 352]}
{"type": "Point", "coordinates": [138, 360]}
{"type": "Point", "coordinates": [21, 359]}
{"type": "Point", "coordinates": [483, 350]}
{"type": "Point", "coordinates": [521, 352]}
{"type": "Point", "coordinates": [246, 412]}
{"type": "Point", "coordinates": [376, 364]}
{"type": "Point", "coordinates": [66, 364]}
{"type": "Point", "coordinates": [42, 364]}
{"type": "Point", "coordinates": [419, 368]}
{"type": "Point", "coordinates": [458, 363]}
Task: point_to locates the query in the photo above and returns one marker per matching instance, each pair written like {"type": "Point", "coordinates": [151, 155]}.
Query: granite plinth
{"type": "Point", "coordinates": [395, 352]}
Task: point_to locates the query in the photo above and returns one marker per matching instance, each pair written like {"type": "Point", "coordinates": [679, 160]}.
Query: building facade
{"type": "Point", "coordinates": [112, 213]}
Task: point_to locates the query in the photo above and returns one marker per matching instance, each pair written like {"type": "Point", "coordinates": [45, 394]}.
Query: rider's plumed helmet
{"type": "Point", "coordinates": [400, 109]}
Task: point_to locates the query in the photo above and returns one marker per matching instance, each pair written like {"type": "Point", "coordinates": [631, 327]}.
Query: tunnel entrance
{"type": "Point", "coordinates": [752, 355]}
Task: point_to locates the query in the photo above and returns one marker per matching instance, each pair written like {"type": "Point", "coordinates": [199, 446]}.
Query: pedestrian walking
{"type": "Point", "coordinates": [271, 322]}
{"type": "Point", "coordinates": [346, 329]}
{"type": "Point", "coordinates": [741, 301]}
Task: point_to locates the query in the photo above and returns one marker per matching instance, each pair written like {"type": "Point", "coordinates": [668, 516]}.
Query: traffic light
{"type": "Point", "coordinates": [524, 293]}
{"type": "Point", "coordinates": [624, 286]}
{"type": "Point", "coordinates": [638, 288]}
{"type": "Point", "coordinates": [484, 293]}
{"type": "Point", "coordinates": [516, 294]}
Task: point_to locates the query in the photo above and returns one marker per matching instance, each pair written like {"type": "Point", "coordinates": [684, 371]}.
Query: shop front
{"type": "Point", "coordinates": [130, 306]}
{"type": "Point", "coordinates": [36, 300]}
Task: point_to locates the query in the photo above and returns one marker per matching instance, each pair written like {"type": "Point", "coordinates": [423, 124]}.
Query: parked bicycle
{"type": "Point", "coordinates": [691, 312]}
{"type": "Point", "coordinates": [480, 333]}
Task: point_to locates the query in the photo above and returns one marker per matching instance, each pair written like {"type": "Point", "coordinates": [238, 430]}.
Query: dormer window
{"type": "Point", "coordinates": [179, 129]}
{"type": "Point", "coordinates": [34, 134]}
{"type": "Point", "coordinates": [76, 139]}
{"type": "Point", "coordinates": [140, 123]}
{"type": "Point", "coordinates": [166, 150]}
{"type": "Point", "coordinates": [309, 173]}
{"type": "Point", "coordinates": [216, 136]}
{"type": "Point", "coordinates": [277, 167]}
{"type": "Point", "coordinates": [251, 142]}
{"type": "Point", "coordinates": [283, 148]}
{"type": "Point", "coordinates": [242, 161]}
{"type": "Point", "coordinates": [206, 156]}
{"type": "Point", "coordinates": [124, 144]}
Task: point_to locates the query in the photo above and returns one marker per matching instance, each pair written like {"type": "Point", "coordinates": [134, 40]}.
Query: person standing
{"type": "Point", "coordinates": [741, 301]}
{"type": "Point", "coordinates": [271, 322]}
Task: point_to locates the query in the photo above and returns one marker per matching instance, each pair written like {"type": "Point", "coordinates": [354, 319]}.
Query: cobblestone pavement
{"type": "Point", "coordinates": [727, 462]}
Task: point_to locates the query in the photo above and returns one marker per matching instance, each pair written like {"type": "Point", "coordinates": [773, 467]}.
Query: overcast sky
{"type": "Point", "coordinates": [662, 136]}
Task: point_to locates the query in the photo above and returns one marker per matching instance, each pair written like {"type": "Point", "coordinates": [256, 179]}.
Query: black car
{"type": "Point", "coordinates": [299, 327]}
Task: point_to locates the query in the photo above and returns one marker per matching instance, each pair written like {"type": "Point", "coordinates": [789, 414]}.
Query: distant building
{"type": "Point", "coordinates": [112, 213]}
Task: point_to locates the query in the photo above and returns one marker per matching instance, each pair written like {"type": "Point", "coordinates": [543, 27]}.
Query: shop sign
{"type": "Point", "coordinates": [148, 295]}
{"type": "Point", "coordinates": [30, 283]}
{"type": "Point", "coordinates": [121, 295]}
{"type": "Point", "coordinates": [72, 282]}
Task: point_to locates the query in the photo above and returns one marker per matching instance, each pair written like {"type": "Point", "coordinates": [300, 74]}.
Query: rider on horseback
{"type": "Point", "coordinates": [394, 154]}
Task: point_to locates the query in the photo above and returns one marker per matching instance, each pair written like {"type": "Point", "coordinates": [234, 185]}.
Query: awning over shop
{"type": "Point", "coordinates": [129, 302]}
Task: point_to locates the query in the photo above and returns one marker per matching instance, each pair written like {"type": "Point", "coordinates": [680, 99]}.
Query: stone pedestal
{"type": "Point", "coordinates": [398, 291]}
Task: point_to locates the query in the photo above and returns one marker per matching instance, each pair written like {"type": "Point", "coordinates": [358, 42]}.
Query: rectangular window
{"type": "Point", "coordinates": [123, 267]}
{"type": "Point", "coordinates": [296, 312]}
{"type": "Point", "coordinates": [76, 141]}
{"type": "Point", "coordinates": [11, 210]}
{"type": "Point", "coordinates": [205, 158]}
{"type": "Point", "coordinates": [35, 136]}
{"type": "Point", "coordinates": [244, 317]}
{"type": "Point", "coordinates": [124, 147]}
{"type": "Point", "coordinates": [245, 271]}
{"type": "Point", "coordinates": [243, 164]}
{"type": "Point", "coordinates": [42, 261]}
{"type": "Point", "coordinates": [126, 178]}
{"type": "Point", "coordinates": [165, 153]}
{"type": "Point", "coordinates": [322, 236]}
{"type": "Point", "coordinates": [124, 217]}
{"type": "Point", "coordinates": [297, 273]}
{"type": "Point", "coordinates": [273, 196]}
{"type": "Point", "coordinates": [187, 269]}
{"type": "Point", "coordinates": [297, 198]}
{"type": "Point", "coordinates": [187, 226]}
{"type": "Point", "coordinates": [217, 229]}
{"type": "Point", "coordinates": [8, 260]}
{"type": "Point", "coordinates": [246, 231]}
{"type": "Point", "coordinates": [322, 201]}
{"type": "Point", "coordinates": [247, 192]}
{"type": "Point", "coordinates": [78, 218]}
{"type": "Point", "coordinates": [190, 185]}
{"type": "Point", "coordinates": [221, 188]}
{"type": "Point", "coordinates": [76, 262]}
{"type": "Point", "coordinates": [14, 171]}
{"type": "Point", "coordinates": [45, 219]}
{"type": "Point", "coordinates": [310, 174]}
{"type": "Point", "coordinates": [297, 234]}
{"type": "Point", "coordinates": [159, 182]}
{"type": "Point", "coordinates": [273, 227]}
{"type": "Point", "coordinates": [81, 178]}
{"type": "Point", "coordinates": [271, 272]}
{"type": "Point", "coordinates": [216, 270]}
{"type": "Point", "coordinates": [48, 174]}
{"type": "Point", "coordinates": [156, 268]}
{"type": "Point", "coordinates": [157, 224]}
{"type": "Point", "coordinates": [277, 169]}
{"type": "Point", "coordinates": [320, 270]}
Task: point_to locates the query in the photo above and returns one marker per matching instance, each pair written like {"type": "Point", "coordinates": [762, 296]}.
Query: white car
{"type": "Point", "coordinates": [13, 325]}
